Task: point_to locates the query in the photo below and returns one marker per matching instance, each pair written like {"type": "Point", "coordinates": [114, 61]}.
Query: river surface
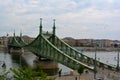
{"type": "Point", "coordinates": [7, 58]}
{"type": "Point", "coordinates": [11, 60]}
{"type": "Point", "coordinates": [106, 57]}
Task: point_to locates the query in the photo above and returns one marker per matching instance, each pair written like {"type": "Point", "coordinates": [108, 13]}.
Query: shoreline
{"type": "Point", "coordinates": [93, 49]}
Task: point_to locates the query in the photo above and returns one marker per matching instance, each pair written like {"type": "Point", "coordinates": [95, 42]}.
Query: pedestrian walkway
{"type": "Point", "coordinates": [69, 78]}
{"type": "Point", "coordinates": [102, 74]}
{"type": "Point", "coordinates": [74, 76]}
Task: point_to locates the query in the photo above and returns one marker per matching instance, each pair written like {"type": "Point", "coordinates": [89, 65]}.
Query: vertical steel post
{"type": "Point", "coordinates": [118, 60]}
{"type": "Point", "coordinates": [95, 64]}
{"type": "Point", "coordinates": [117, 49]}
{"type": "Point", "coordinates": [54, 27]}
{"type": "Point", "coordinates": [53, 36]}
{"type": "Point", "coordinates": [40, 32]}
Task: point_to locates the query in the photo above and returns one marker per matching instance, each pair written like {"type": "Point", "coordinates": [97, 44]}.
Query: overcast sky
{"type": "Point", "coordinates": [96, 19]}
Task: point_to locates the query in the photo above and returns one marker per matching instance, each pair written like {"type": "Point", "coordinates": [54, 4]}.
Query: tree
{"type": "Point", "coordinates": [24, 73]}
{"type": "Point", "coordinates": [28, 74]}
{"type": "Point", "coordinates": [80, 69]}
{"type": "Point", "coordinates": [3, 75]}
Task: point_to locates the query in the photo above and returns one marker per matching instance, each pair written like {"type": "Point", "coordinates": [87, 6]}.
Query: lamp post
{"type": "Point", "coordinates": [117, 49]}
{"type": "Point", "coordinates": [95, 63]}
{"type": "Point", "coordinates": [118, 68]}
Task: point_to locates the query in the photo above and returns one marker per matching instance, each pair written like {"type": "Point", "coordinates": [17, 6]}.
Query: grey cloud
{"type": "Point", "coordinates": [78, 19]}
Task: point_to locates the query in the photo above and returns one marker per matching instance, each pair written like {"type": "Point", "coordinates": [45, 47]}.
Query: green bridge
{"type": "Point", "coordinates": [55, 49]}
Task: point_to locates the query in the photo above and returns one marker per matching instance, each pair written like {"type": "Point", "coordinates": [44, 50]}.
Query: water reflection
{"type": "Point", "coordinates": [17, 60]}
{"type": "Point", "coordinates": [11, 60]}
{"type": "Point", "coordinates": [6, 58]}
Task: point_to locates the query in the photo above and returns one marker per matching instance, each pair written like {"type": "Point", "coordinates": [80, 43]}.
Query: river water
{"type": "Point", "coordinates": [11, 60]}
{"type": "Point", "coordinates": [106, 57]}
{"type": "Point", "coordinates": [7, 58]}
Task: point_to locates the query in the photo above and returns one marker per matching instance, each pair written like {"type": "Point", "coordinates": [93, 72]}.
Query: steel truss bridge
{"type": "Point", "coordinates": [54, 48]}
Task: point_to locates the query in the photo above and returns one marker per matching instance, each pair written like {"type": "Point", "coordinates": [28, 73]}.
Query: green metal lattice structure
{"type": "Point", "coordinates": [21, 41]}
{"type": "Point", "coordinates": [14, 42]}
{"type": "Point", "coordinates": [55, 49]}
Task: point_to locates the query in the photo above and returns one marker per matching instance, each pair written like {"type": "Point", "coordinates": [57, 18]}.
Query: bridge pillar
{"type": "Point", "coordinates": [48, 66]}
{"type": "Point", "coordinates": [15, 50]}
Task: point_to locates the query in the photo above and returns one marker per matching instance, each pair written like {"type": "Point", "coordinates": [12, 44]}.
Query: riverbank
{"type": "Point", "coordinates": [91, 49]}
{"type": "Point", "coordinates": [3, 48]}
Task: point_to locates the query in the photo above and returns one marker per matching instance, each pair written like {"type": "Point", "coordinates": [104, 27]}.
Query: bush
{"type": "Point", "coordinates": [25, 73]}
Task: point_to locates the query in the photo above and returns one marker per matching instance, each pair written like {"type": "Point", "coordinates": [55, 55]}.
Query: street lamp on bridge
{"type": "Point", "coordinates": [117, 49]}
{"type": "Point", "coordinates": [95, 69]}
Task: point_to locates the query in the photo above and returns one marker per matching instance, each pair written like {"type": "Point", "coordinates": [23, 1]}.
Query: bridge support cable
{"type": "Point", "coordinates": [49, 51]}
{"type": "Point", "coordinates": [78, 55]}
{"type": "Point", "coordinates": [21, 41]}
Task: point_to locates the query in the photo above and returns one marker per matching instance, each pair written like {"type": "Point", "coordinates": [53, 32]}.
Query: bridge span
{"type": "Point", "coordinates": [53, 48]}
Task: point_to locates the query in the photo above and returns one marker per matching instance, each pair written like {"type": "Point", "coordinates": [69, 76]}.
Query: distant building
{"type": "Point", "coordinates": [70, 41]}
{"type": "Point", "coordinates": [83, 42]}
{"type": "Point", "coordinates": [27, 39]}
{"type": "Point", "coordinates": [106, 43]}
{"type": "Point", "coordinates": [91, 42]}
{"type": "Point", "coordinates": [115, 42]}
{"type": "Point", "coordinates": [3, 40]}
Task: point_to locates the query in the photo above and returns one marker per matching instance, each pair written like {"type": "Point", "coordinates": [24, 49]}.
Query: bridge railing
{"type": "Point", "coordinates": [72, 52]}
{"type": "Point", "coordinates": [14, 43]}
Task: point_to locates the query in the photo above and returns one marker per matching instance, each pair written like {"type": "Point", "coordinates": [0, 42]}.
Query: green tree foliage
{"type": "Point", "coordinates": [80, 70]}
{"type": "Point", "coordinates": [28, 74]}
{"type": "Point", "coordinates": [3, 75]}
{"type": "Point", "coordinates": [24, 74]}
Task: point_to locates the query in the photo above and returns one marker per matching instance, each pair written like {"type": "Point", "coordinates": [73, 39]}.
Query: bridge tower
{"type": "Point", "coordinates": [54, 27]}
{"type": "Point", "coordinates": [48, 66]}
{"type": "Point", "coordinates": [53, 36]}
{"type": "Point", "coordinates": [40, 31]}
{"type": "Point", "coordinates": [21, 41]}
{"type": "Point", "coordinates": [13, 45]}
